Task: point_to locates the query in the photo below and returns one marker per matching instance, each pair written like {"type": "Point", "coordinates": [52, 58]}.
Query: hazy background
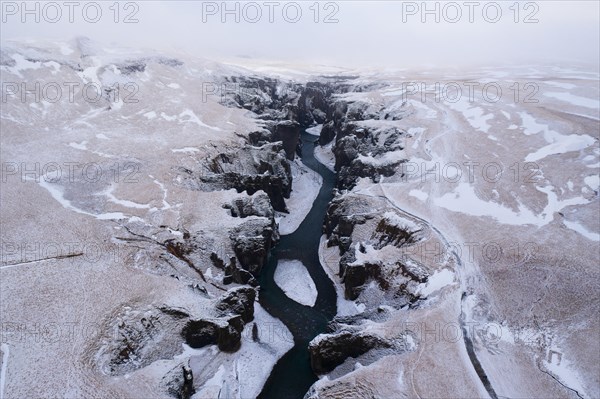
{"type": "Point", "coordinates": [367, 33]}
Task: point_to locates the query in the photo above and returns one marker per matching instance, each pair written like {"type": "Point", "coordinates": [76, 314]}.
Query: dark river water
{"type": "Point", "coordinates": [292, 376]}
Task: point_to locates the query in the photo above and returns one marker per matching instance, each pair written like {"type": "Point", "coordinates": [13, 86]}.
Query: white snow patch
{"type": "Point", "coordinates": [324, 154]}
{"type": "Point", "coordinates": [465, 200]}
{"type": "Point", "coordinates": [437, 281]}
{"type": "Point", "coordinates": [592, 181]}
{"type": "Point", "coordinates": [566, 86]}
{"type": "Point", "coordinates": [315, 130]}
{"type": "Point", "coordinates": [293, 278]}
{"type": "Point", "coordinates": [422, 195]}
{"type": "Point", "coordinates": [562, 144]}
{"type": "Point", "coordinates": [185, 150]}
{"type": "Point", "coordinates": [152, 115]}
{"type": "Point", "coordinates": [193, 118]}
{"type": "Point", "coordinates": [5, 352]}
{"type": "Point", "coordinates": [582, 230]}
{"type": "Point", "coordinates": [575, 100]}
{"type": "Point", "coordinates": [474, 115]}
{"type": "Point", "coordinates": [58, 195]}
{"type": "Point", "coordinates": [564, 370]}
{"type": "Point", "coordinates": [79, 146]}
{"type": "Point", "coordinates": [306, 187]}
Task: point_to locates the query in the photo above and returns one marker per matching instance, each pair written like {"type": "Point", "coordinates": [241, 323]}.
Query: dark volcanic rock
{"type": "Point", "coordinates": [239, 301]}
{"type": "Point", "coordinates": [329, 351]}
{"type": "Point", "coordinates": [251, 243]}
{"type": "Point", "coordinates": [179, 382]}
{"type": "Point", "coordinates": [327, 133]}
{"type": "Point", "coordinates": [249, 169]}
{"type": "Point", "coordinates": [226, 334]}
{"type": "Point", "coordinates": [235, 308]}
{"type": "Point", "coordinates": [257, 205]}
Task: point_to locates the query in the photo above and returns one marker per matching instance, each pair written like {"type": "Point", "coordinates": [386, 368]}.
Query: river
{"type": "Point", "coordinates": [292, 375]}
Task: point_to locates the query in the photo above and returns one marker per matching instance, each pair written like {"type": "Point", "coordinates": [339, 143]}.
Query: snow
{"type": "Point", "coordinates": [566, 373]}
{"type": "Point", "coordinates": [324, 154]}
{"type": "Point", "coordinates": [345, 307]}
{"type": "Point", "coordinates": [185, 150]}
{"type": "Point", "coordinates": [315, 130]}
{"type": "Point", "coordinates": [395, 220]}
{"type": "Point", "coordinates": [575, 100]}
{"type": "Point", "coordinates": [5, 352]}
{"type": "Point", "coordinates": [293, 278]}
{"type": "Point", "coordinates": [387, 159]}
{"type": "Point", "coordinates": [465, 200]}
{"type": "Point", "coordinates": [558, 143]}
{"type": "Point", "coordinates": [150, 115]}
{"type": "Point", "coordinates": [582, 230]}
{"type": "Point", "coordinates": [592, 181]}
{"type": "Point", "coordinates": [192, 117]}
{"type": "Point", "coordinates": [305, 188]}
{"type": "Point", "coordinates": [22, 64]}
{"type": "Point", "coordinates": [59, 196]}
{"type": "Point", "coordinates": [562, 85]}
{"type": "Point", "coordinates": [437, 281]}
{"type": "Point", "coordinates": [474, 115]}
{"type": "Point", "coordinates": [422, 195]}
{"type": "Point", "coordinates": [530, 125]}
{"type": "Point", "coordinates": [244, 373]}
{"type": "Point", "coordinates": [562, 144]}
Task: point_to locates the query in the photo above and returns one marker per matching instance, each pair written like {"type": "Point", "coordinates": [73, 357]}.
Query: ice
{"type": "Point", "coordinates": [305, 189]}
{"type": "Point", "coordinates": [293, 278]}
{"type": "Point", "coordinates": [150, 115]}
{"type": "Point", "coordinates": [315, 130]}
{"type": "Point", "coordinates": [245, 372]}
{"type": "Point", "coordinates": [325, 156]}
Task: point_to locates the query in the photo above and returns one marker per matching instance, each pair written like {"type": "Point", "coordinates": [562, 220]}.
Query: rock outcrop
{"type": "Point", "coordinates": [249, 169]}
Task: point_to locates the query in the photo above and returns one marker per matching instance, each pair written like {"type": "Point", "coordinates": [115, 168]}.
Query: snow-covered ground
{"type": "Point", "coordinates": [512, 185]}
{"type": "Point", "coordinates": [244, 373]}
{"type": "Point", "coordinates": [293, 278]}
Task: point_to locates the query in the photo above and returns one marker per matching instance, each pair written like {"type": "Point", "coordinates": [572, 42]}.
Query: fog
{"type": "Point", "coordinates": [343, 33]}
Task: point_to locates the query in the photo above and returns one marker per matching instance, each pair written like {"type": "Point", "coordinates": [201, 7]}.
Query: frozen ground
{"type": "Point", "coordinates": [511, 185]}
{"type": "Point", "coordinates": [293, 278]}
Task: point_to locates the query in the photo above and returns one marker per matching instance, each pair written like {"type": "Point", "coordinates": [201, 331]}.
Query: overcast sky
{"type": "Point", "coordinates": [359, 33]}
